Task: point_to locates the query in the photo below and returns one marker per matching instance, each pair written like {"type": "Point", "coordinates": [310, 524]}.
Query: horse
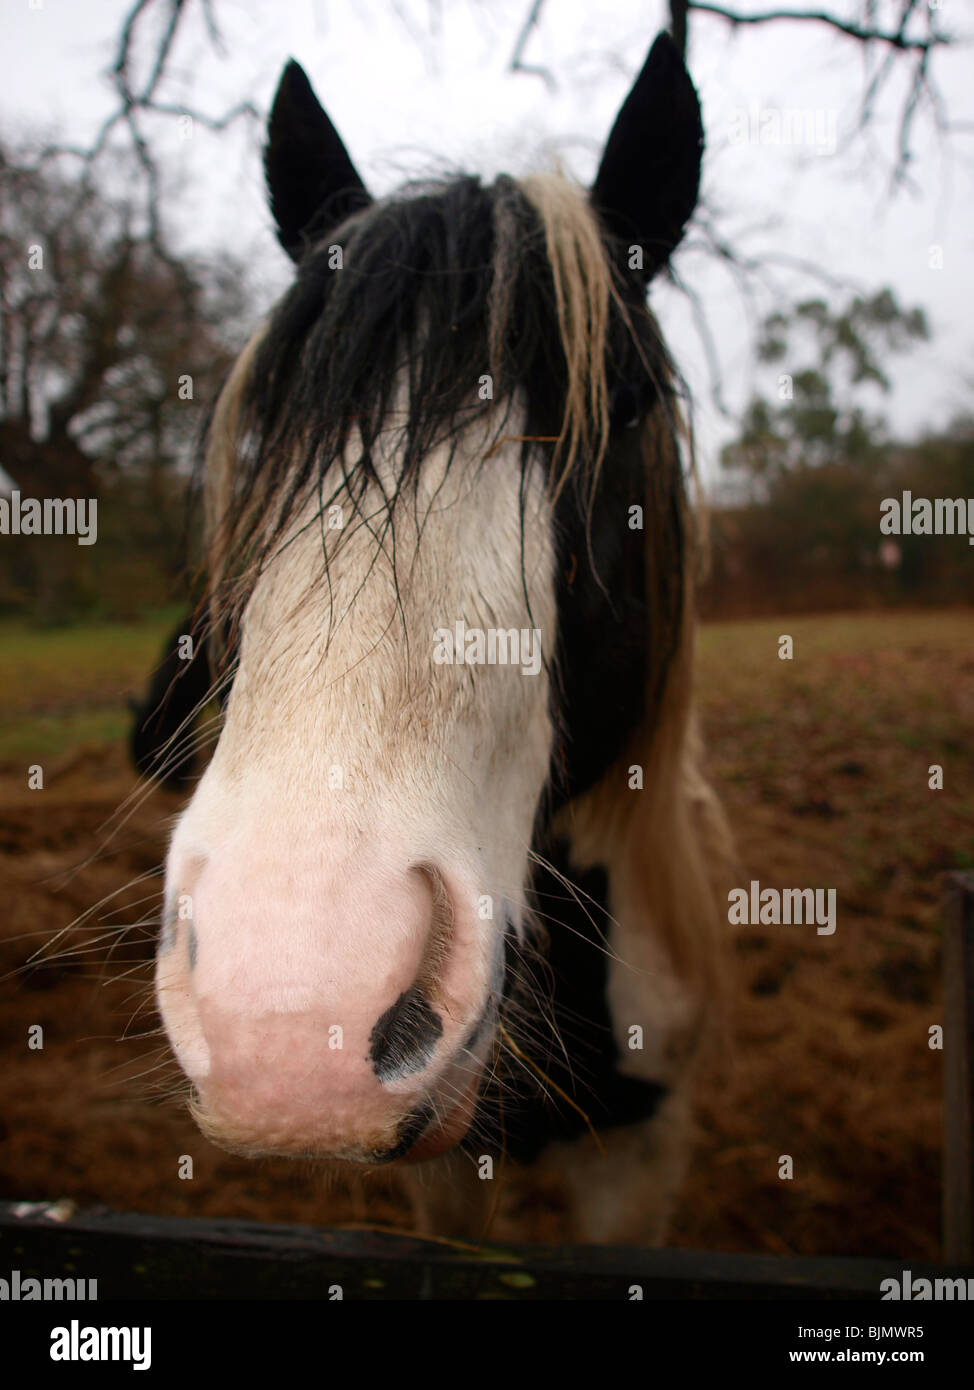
{"type": "Point", "coordinates": [448, 893]}
{"type": "Point", "coordinates": [158, 746]}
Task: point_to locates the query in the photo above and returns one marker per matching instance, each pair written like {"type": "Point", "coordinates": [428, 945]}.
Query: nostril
{"type": "Point", "coordinates": [167, 931]}
{"type": "Point", "coordinates": [410, 1129]}
{"type": "Point", "coordinates": [182, 875]}
{"type": "Point", "coordinates": [405, 1037]}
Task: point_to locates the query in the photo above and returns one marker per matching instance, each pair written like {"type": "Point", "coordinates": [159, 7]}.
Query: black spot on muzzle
{"type": "Point", "coordinates": [405, 1037]}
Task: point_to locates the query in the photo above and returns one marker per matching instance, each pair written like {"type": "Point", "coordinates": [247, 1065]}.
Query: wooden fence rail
{"type": "Point", "coordinates": [154, 1257]}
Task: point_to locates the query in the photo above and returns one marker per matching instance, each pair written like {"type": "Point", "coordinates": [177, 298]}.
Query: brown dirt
{"type": "Point", "coordinates": [830, 1062]}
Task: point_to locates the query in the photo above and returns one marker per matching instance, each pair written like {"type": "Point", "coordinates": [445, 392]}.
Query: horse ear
{"type": "Point", "coordinates": [310, 178]}
{"type": "Point", "coordinates": [647, 183]}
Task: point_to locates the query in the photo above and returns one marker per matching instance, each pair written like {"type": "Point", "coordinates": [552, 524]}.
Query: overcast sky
{"type": "Point", "coordinates": [413, 85]}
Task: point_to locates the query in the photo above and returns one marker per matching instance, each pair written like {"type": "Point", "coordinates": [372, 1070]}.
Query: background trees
{"type": "Point", "coordinates": [109, 346]}
{"type": "Point", "coordinates": [809, 468]}
{"type": "Point", "coordinates": [94, 345]}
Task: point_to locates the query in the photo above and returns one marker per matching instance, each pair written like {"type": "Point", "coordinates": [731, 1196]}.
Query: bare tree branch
{"type": "Point", "coordinates": [865, 33]}
{"type": "Point", "coordinates": [749, 273]}
{"type": "Point", "coordinates": [522, 40]}
{"type": "Point", "coordinates": [120, 68]}
{"type": "Point", "coordinates": [134, 104]}
{"type": "Point", "coordinates": [915, 49]}
{"type": "Point", "coordinates": [678, 25]}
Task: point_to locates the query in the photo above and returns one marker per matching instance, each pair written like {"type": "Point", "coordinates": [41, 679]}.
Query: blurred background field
{"type": "Point", "coordinates": [63, 684]}
{"type": "Point", "coordinates": [823, 762]}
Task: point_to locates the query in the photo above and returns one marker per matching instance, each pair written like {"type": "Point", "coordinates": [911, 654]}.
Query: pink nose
{"type": "Point", "coordinates": [275, 1085]}
{"type": "Point", "coordinates": [330, 1022]}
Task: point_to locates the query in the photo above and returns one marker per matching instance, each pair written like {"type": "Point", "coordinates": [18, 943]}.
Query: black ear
{"type": "Point", "coordinates": [647, 183]}
{"type": "Point", "coordinates": [312, 183]}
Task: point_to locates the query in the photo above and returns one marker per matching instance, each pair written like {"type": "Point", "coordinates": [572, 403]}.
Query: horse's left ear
{"type": "Point", "coordinates": [312, 183]}
{"type": "Point", "coordinates": [647, 183]}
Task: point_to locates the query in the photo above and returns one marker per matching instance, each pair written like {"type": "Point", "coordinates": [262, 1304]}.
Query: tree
{"type": "Point", "coordinates": [814, 464]}
{"type": "Point", "coordinates": [109, 345]}
{"type": "Point", "coordinates": [818, 417]}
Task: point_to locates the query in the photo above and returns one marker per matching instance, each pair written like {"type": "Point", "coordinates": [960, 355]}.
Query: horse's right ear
{"type": "Point", "coordinates": [311, 182]}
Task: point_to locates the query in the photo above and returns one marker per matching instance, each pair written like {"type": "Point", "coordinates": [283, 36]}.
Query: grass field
{"type": "Point", "coordinates": [822, 762]}
{"type": "Point", "coordinates": [68, 686]}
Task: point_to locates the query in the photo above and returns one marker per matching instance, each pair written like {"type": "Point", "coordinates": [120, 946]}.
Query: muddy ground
{"type": "Point", "coordinates": [824, 771]}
